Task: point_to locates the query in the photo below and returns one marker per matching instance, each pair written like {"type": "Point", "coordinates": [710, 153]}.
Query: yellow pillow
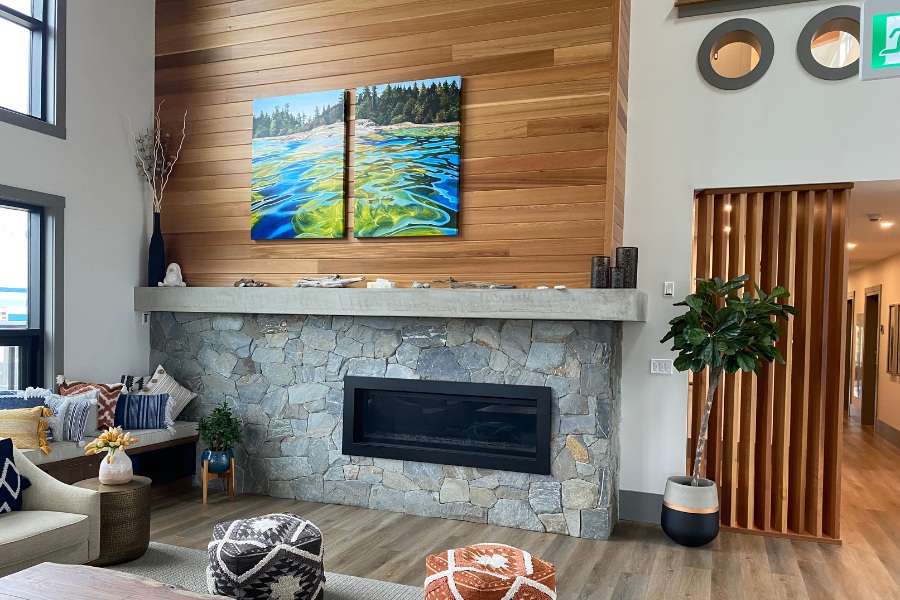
{"type": "Point", "coordinates": [26, 427]}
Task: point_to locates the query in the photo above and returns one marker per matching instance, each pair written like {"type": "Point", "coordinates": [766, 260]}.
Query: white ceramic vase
{"type": "Point", "coordinates": [118, 471]}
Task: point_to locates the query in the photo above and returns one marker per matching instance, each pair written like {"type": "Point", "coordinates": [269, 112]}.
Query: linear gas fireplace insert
{"type": "Point", "coordinates": [483, 425]}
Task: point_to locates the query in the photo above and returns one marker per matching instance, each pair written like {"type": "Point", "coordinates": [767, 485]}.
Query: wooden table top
{"type": "Point", "coordinates": [94, 484]}
{"type": "Point", "coordinates": [51, 581]}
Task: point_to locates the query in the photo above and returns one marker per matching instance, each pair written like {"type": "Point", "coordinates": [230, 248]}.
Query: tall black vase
{"type": "Point", "coordinates": [156, 257]}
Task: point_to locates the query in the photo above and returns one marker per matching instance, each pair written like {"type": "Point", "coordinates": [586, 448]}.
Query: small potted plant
{"type": "Point", "coordinates": [725, 333]}
{"type": "Point", "coordinates": [220, 431]}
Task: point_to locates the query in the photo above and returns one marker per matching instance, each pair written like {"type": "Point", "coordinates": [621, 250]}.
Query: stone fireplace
{"type": "Point", "coordinates": [285, 377]}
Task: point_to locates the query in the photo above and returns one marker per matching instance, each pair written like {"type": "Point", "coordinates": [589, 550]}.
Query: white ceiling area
{"type": "Point", "coordinates": [874, 242]}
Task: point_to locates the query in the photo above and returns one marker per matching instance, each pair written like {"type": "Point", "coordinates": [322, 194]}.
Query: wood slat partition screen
{"type": "Point", "coordinates": [774, 442]}
{"type": "Point", "coordinates": [543, 136]}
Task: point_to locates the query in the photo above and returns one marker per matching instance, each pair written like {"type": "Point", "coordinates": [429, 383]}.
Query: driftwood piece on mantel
{"type": "Point", "coordinates": [332, 281]}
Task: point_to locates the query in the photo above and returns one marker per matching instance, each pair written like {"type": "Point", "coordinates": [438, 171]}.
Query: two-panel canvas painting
{"type": "Point", "coordinates": [406, 175]}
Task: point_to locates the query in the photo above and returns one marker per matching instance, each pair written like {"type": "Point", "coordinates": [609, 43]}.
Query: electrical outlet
{"type": "Point", "coordinates": [669, 288]}
{"type": "Point", "coordinates": [660, 366]}
{"type": "Point", "coordinates": [145, 318]}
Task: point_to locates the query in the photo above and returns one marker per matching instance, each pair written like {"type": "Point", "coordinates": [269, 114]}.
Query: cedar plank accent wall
{"type": "Point", "coordinates": [774, 441]}
{"type": "Point", "coordinates": [543, 136]}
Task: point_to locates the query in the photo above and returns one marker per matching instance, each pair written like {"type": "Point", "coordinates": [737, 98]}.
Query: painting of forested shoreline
{"type": "Point", "coordinates": [298, 166]}
{"type": "Point", "coordinates": [407, 159]}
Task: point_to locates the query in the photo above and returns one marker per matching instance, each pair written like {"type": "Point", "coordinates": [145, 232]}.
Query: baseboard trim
{"type": "Point", "coordinates": [887, 432]}
{"type": "Point", "coordinates": [640, 506]}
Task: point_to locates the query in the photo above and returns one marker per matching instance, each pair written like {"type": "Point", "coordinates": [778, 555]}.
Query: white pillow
{"type": "Point", "coordinates": [163, 383]}
{"type": "Point", "coordinates": [90, 425]}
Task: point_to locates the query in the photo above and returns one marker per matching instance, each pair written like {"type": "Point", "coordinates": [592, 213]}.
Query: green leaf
{"type": "Point", "coordinates": [697, 336]}
{"type": "Point", "coordinates": [683, 362]}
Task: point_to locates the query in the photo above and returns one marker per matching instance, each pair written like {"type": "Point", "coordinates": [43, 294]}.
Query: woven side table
{"type": "Point", "coordinates": [124, 519]}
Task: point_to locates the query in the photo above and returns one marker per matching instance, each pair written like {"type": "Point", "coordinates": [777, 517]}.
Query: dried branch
{"type": "Point", "coordinates": [153, 157]}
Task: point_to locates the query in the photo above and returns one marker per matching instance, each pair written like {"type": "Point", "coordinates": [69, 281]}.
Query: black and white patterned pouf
{"type": "Point", "coordinates": [273, 556]}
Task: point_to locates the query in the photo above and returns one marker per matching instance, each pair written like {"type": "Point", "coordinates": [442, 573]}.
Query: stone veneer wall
{"type": "Point", "coordinates": [284, 377]}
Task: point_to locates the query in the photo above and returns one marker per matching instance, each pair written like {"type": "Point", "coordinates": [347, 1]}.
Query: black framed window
{"type": "Point", "coordinates": [32, 69]}
{"type": "Point", "coordinates": [22, 277]}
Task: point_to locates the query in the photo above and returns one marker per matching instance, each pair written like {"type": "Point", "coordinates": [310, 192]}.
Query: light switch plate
{"type": "Point", "coordinates": [669, 288]}
{"type": "Point", "coordinates": [661, 366]}
{"type": "Point", "coordinates": [145, 318]}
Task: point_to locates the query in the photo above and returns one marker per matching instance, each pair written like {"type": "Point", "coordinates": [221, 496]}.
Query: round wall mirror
{"type": "Point", "coordinates": [736, 54]}
{"type": "Point", "coordinates": [828, 47]}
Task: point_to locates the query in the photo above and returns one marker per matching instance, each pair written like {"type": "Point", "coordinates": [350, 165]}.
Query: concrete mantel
{"type": "Point", "coordinates": [570, 304]}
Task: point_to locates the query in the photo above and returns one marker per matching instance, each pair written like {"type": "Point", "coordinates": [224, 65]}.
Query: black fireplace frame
{"type": "Point", "coordinates": [539, 464]}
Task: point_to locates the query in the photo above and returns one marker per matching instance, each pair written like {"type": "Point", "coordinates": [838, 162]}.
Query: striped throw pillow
{"type": "Point", "coordinates": [145, 411]}
{"type": "Point", "coordinates": [163, 383]}
{"type": "Point", "coordinates": [107, 396]}
{"type": "Point", "coordinates": [26, 427]}
{"type": "Point", "coordinates": [71, 419]}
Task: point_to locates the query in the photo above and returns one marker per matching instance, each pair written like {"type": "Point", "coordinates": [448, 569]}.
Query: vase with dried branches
{"type": "Point", "coordinates": [155, 156]}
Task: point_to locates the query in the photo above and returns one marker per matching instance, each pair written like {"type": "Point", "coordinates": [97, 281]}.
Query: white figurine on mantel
{"type": "Point", "coordinates": [173, 277]}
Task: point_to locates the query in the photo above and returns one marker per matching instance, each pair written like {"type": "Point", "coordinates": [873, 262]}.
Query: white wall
{"type": "Point", "coordinates": [110, 50]}
{"type": "Point", "coordinates": [788, 128]}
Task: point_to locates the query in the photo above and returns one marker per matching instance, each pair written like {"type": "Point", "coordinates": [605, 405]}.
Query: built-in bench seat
{"type": "Point", "coordinates": [159, 454]}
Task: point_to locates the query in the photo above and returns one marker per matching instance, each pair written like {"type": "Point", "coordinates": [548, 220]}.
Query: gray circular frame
{"type": "Point", "coordinates": [724, 34]}
{"type": "Point", "coordinates": [847, 19]}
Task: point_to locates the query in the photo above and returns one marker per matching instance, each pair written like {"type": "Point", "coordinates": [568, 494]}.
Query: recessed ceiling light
{"type": "Point", "coordinates": [887, 224]}
{"type": "Point", "coordinates": [851, 245]}
{"type": "Point", "coordinates": [727, 208]}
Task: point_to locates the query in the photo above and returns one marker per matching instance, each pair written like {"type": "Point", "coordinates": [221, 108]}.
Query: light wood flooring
{"type": "Point", "coordinates": [638, 562]}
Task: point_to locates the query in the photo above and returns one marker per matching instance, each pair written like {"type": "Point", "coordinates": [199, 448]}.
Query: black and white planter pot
{"type": "Point", "coordinates": [690, 515]}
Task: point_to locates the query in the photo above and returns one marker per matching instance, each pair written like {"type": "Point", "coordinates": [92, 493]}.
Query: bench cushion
{"type": "Point", "coordinates": [146, 437]}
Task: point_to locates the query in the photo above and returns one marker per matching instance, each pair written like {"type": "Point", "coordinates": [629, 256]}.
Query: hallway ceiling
{"type": "Point", "coordinates": [874, 243]}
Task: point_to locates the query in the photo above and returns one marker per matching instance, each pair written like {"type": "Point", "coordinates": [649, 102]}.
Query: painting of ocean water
{"type": "Point", "coordinates": [298, 167]}
{"type": "Point", "coordinates": [406, 175]}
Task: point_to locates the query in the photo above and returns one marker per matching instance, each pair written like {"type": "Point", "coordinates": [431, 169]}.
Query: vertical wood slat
{"type": "Point", "coordinates": [782, 401]}
{"type": "Point", "coordinates": [719, 261]}
{"type": "Point", "coordinates": [731, 385]}
{"type": "Point", "coordinates": [835, 367]}
{"type": "Point", "coordinates": [800, 388]}
{"type": "Point", "coordinates": [775, 440]}
{"type": "Point", "coordinates": [749, 382]}
{"type": "Point", "coordinates": [817, 390]}
{"type": "Point", "coordinates": [762, 486]}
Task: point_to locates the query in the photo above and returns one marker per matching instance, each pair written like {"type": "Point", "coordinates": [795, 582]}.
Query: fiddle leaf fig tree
{"type": "Point", "coordinates": [726, 331]}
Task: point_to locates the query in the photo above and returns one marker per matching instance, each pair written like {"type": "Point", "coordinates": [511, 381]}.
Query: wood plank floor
{"type": "Point", "coordinates": [638, 562]}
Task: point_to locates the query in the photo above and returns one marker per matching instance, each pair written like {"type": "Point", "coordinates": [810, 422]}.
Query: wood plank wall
{"type": "Point", "coordinates": [543, 135]}
{"type": "Point", "coordinates": [774, 443]}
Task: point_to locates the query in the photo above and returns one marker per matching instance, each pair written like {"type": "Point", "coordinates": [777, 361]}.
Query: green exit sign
{"type": "Point", "coordinates": [880, 46]}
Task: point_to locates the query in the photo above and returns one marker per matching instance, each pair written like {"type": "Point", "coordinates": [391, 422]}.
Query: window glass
{"type": "Point", "coordinates": [14, 231]}
{"type": "Point", "coordinates": [15, 66]}
{"type": "Point", "coordinates": [10, 368]}
{"type": "Point", "coordinates": [23, 6]}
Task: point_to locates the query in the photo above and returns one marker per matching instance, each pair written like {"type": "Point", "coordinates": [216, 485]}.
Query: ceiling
{"type": "Point", "coordinates": [874, 243]}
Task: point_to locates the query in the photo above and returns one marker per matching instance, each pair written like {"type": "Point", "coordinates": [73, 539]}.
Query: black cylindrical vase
{"type": "Point", "coordinates": [617, 277]}
{"type": "Point", "coordinates": [600, 272]}
{"type": "Point", "coordinates": [156, 256]}
{"type": "Point", "coordinates": [690, 515]}
{"type": "Point", "coordinates": [627, 259]}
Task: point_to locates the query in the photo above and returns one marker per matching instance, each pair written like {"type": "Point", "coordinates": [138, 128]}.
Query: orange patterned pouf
{"type": "Point", "coordinates": [489, 572]}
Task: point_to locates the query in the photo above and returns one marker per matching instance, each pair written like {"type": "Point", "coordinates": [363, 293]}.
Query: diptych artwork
{"type": "Point", "coordinates": [406, 177]}
{"type": "Point", "coordinates": [298, 166]}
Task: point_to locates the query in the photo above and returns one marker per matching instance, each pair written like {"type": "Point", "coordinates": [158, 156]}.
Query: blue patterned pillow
{"type": "Point", "coordinates": [69, 422]}
{"type": "Point", "coordinates": [145, 411]}
{"type": "Point", "coordinates": [12, 484]}
{"type": "Point", "coordinates": [22, 398]}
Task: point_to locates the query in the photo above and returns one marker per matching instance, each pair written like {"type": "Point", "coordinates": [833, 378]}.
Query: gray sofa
{"type": "Point", "coordinates": [58, 523]}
